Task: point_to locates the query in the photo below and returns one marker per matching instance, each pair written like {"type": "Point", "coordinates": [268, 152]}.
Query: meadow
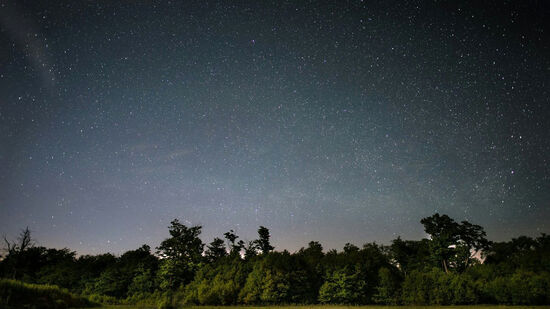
{"type": "Point", "coordinates": [17, 294]}
{"type": "Point", "coordinates": [341, 307]}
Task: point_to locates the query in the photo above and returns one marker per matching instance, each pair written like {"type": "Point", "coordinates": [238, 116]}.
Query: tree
{"type": "Point", "coordinates": [408, 255]}
{"type": "Point", "coordinates": [278, 278]}
{"type": "Point", "coordinates": [184, 243]}
{"type": "Point", "coordinates": [182, 254]}
{"type": "Point", "coordinates": [344, 286]}
{"type": "Point", "coordinates": [218, 283]}
{"type": "Point", "coordinates": [350, 248]}
{"type": "Point", "coordinates": [16, 251]}
{"type": "Point", "coordinates": [174, 273]}
{"type": "Point", "coordinates": [143, 282]}
{"type": "Point", "coordinates": [215, 250]}
{"type": "Point", "coordinates": [388, 287]}
{"type": "Point", "coordinates": [23, 242]}
{"type": "Point", "coordinates": [313, 254]}
{"type": "Point", "coordinates": [117, 278]}
{"type": "Point", "coordinates": [472, 240]}
{"type": "Point", "coordinates": [59, 269]}
{"type": "Point", "coordinates": [250, 249]}
{"type": "Point", "coordinates": [235, 246]}
{"type": "Point", "coordinates": [444, 233]}
{"type": "Point", "coordinates": [454, 244]}
{"type": "Point", "coordinates": [528, 253]}
{"type": "Point", "coordinates": [111, 282]}
{"type": "Point", "coordinates": [263, 240]}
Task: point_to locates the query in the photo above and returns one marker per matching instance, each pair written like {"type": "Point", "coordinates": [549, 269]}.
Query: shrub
{"type": "Point", "coordinates": [344, 286]}
{"type": "Point", "coordinates": [388, 289]}
{"type": "Point", "coordinates": [278, 278]}
{"type": "Point", "coordinates": [105, 299]}
{"type": "Point", "coordinates": [17, 294]}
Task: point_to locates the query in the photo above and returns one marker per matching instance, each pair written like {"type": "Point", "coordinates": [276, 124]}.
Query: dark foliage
{"type": "Point", "coordinates": [446, 269]}
{"type": "Point", "coordinates": [16, 294]}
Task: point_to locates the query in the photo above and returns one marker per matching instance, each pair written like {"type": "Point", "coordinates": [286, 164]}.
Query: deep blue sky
{"type": "Point", "coordinates": [338, 122]}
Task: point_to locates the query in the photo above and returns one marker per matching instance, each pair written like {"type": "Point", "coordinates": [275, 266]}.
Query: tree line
{"type": "Point", "coordinates": [455, 265]}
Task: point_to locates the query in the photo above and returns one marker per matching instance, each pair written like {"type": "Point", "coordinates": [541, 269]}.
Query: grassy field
{"type": "Point", "coordinates": [16, 294]}
{"type": "Point", "coordinates": [344, 307]}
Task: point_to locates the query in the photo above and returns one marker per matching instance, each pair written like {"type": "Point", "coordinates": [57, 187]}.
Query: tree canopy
{"type": "Point", "coordinates": [444, 269]}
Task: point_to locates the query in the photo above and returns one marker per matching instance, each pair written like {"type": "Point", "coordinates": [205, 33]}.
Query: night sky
{"type": "Point", "coordinates": [344, 121]}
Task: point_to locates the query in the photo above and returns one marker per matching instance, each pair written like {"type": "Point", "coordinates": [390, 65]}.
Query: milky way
{"type": "Point", "coordinates": [342, 122]}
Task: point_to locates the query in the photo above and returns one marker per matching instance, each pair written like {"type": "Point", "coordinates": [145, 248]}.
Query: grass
{"type": "Point", "coordinates": [341, 307]}
{"type": "Point", "coordinates": [16, 294]}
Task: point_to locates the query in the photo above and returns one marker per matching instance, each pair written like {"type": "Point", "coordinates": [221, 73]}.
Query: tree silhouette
{"type": "Point", "coordinates": [181, 253]}
{"type": "Point", "coordinates": [235, 246]}
{"type": "Point", "coordinates": [215, 250]}
{"type": "Point", "coordinates": [454, 244]}
{"type": "Point", "coordinates": [263, 240]}
{"type": "Point", "coordinates": [16, 251]}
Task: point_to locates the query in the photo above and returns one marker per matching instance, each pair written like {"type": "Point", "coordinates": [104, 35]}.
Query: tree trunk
{"type": "Point", "coordinates": [445, 266]}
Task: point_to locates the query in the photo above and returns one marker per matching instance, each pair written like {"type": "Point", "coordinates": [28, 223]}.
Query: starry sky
{"type": "Point", "coordinates": [336, 121]}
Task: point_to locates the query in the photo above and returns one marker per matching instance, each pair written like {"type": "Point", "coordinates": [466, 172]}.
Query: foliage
{"type": "Point", "coordinates": [454, 244]}
{"type": "Point", "coordinates": [184, 243]}
{"type": "Point", "coordinates": [344, 286]}
{"type": "Point", "coordinates": [17, 294]}
{"type": "Point", "coordinates": [388, 289]}
{"type": "Point", "coordinates": [278, 278]}
{"type": "Point", "coordinates": [522, 252]}
{"type": "Point", "coordinates": [215, 250]}
{"type": "Point", "coordinates": [263, 242]}
{"type": "Point", "coordinates": [408, 255]}
{"type": "Point", "coordinates": [174, 273]}
{"type": "Point", "coordinates": [182, 254]}
{"type": "Point", "coordinates": [441, 270]}
{"type": "Point", "coordinates": [218, 284]}
{"type": "Point", "coordinates": [142, 282]}
{"type": "Point", "coordinates": [436, 287]}
{"type": "Point", "coordinates": [129, 274]}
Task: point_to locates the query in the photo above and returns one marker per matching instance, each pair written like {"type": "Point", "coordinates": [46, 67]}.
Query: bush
{"type": "Point", "coordinates": [104, 299]}
{"type": "Point", "coordinates": [463, 290]}
{"type": "Point", "coordinates": [426, 288]}
{"type": "Point", "coordinates": [16, 294]}
{"type": "Point", "coordinates": [521, 288]}
{"type": "Point", "coordinates": [278, 278]}
{"type": "Point", "coordinates": [388, 289]}
{"type": "Point", "coordinates": [217, 284]}
{"type": "Point", "coordinates": [344, 286]}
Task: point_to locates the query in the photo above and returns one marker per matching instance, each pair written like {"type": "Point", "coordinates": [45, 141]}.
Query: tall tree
{"type": "Point", "coordinates": [472, 240]}
{"type": "Point", "coordinates": [263, 240]}
{"type": "Point", "coordinates": [181, 253]}
{"type": "Point", "coordinates": [23, 242]}
{"type": "Point", "coordinates": [408, 255]}
{"type": "Point", "coordinates": [184, 243]}
{"type": "Point", "coordinates": [16, 251]}
{"type": "Point", "coordinates": [453, 244]}
{"type": "Point", "coordinates": [444, 233]}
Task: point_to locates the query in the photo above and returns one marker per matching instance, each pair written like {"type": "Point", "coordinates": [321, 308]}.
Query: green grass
{"type": "Point", "coordinates": [341, 307]}
{"type": "Point", "coordinates": [17, 294]}
{"type": "Point", "coordinates": [377, 307]}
